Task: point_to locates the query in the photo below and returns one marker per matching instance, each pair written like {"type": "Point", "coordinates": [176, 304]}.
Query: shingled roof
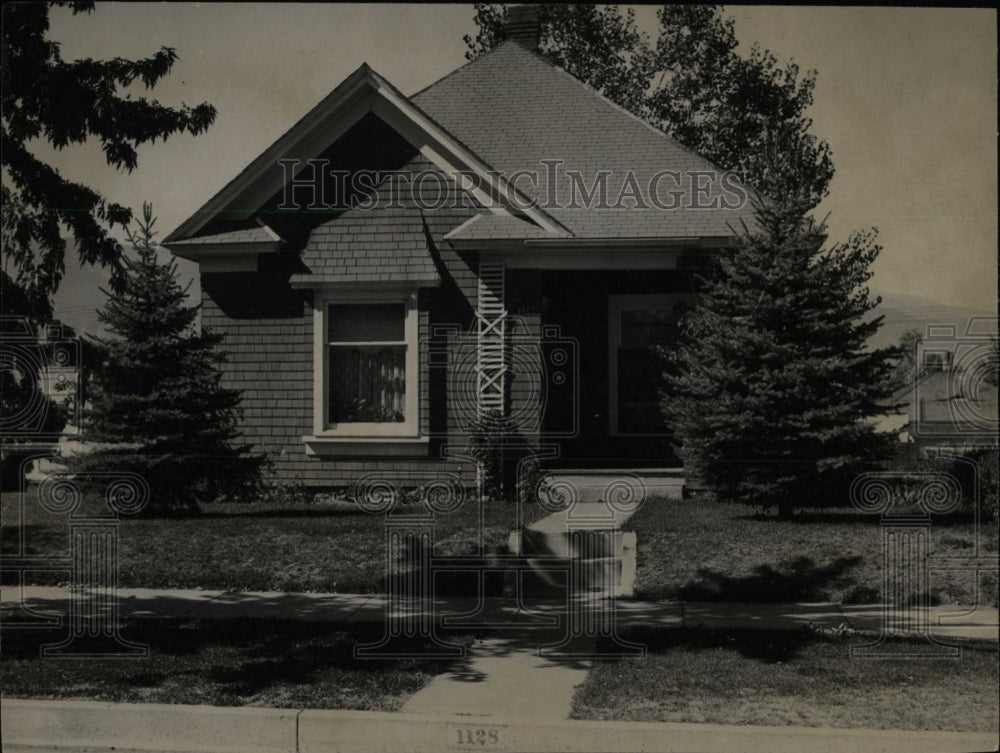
{"type": "Point", "coordinates": [508, 112]}
{"type": "Point", "coordinates": [514, 110]}
{"type": "Point", "coordinates": [382, 244]}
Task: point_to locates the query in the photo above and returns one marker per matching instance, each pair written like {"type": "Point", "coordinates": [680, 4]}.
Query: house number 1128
{"type": "Point", "coordinates": [481, 738]}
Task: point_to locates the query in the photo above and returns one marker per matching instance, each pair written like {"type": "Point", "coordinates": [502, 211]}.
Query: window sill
{"type": "Point", "coordinates": [334, 446]}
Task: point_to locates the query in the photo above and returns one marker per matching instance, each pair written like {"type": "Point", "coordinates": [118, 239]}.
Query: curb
{"type": "Point", "coordinates": [153, 726]}
{"type": "Point", "coordinates": [159, 727]}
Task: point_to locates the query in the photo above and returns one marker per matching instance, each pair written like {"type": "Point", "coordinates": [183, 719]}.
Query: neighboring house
{"type": "Point", "coordinates": [369, 318]}
{"type": "Point", "coordinates": [949, 409]}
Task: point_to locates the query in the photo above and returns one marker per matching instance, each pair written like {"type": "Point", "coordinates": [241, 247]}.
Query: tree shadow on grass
{"type": "Point", "coordinates": [767, 646]}
{"type": "Point", "coordinates": [231, 658]}
{"type": "Point", "coordinates": [799, 580]}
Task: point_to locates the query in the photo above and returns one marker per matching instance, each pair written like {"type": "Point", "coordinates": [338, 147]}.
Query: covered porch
{"type": "Point", "coordinates": [579, 370]}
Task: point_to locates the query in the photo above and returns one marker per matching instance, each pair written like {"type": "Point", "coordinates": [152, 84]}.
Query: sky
{"type": "Point", "coordinates": [906, 98]}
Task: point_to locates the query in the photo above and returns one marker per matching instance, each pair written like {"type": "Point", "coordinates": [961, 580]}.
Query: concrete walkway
{"type": "Point", "coordinates": [507, 678]}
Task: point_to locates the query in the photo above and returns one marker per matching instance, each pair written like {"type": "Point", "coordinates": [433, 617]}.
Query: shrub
{"type": "Point", "coordinates": [499, 448]}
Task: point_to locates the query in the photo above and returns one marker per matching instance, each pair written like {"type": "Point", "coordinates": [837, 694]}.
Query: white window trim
{"type": "Point", "coordinates": [616, 305]}
{"type": "Point", "coordinates": [365, 438]}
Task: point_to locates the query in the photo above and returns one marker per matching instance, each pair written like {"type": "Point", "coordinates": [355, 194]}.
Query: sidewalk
{"type": "Point", "coordinates": [504, 691]}
{"type": "Point", "coordinates": [944, 621]}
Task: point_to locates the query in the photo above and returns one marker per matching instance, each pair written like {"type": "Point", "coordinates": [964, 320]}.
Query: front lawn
{"type": "Point", "coordinates": [225, 663]}
{"type": "Point", "coordinates": [696, 550]}
{"type": "Point", "coordinates": [790, 678]}
{"type": "Point", "coordinates": [322, 547]}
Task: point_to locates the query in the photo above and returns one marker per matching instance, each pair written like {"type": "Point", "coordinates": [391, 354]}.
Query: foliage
{"type": "Point", "coordinates": [489, 436]}
{"type": "Point", "coordinates": [280, 494]}
{"type": "Point", "coordinates": [64, 103]}
{"type": "Point", "coordinates": [986, 475]}
{"type": "Point", "coordinates": [157, 406]}
{"type": "Point", "coordinates": [499, 449]}
{"type": "Point", "coordinates": [905, 372]}
{"type": "Point", "coordinates": [27, 411]}
{"type": "Point", "coordinates": [772, 390]}
{"type": "Point", "coordinates": [744, 113]}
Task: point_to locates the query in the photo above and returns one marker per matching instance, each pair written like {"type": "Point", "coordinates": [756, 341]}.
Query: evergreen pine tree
{"type": "Point", "coordinates": [156, 405]}
{"type": "Point", "coordinates": [772, 391]}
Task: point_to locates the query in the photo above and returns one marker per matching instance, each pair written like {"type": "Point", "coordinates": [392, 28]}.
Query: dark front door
{"type": "Point", "coordinates": [614, 317]}
{"type": "Point", "coordinates": [638, 325]}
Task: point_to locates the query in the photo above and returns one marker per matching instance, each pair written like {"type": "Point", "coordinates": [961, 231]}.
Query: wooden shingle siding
{"type": "Point", "coordinates": [268, 331]}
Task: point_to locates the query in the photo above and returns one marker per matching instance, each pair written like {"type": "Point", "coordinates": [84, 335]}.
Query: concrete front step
{"type": "Point", "coordinates": [596, 576]}
{"type": "Point", "coordinates": [582, 546]}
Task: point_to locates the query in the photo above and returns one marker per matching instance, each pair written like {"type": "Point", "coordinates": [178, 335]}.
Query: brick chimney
{"type": "Point", "coordinates": [523, 26]}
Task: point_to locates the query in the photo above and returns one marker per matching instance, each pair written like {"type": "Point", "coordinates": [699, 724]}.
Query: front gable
{"type": "Point", "coordinates": [364, 124]}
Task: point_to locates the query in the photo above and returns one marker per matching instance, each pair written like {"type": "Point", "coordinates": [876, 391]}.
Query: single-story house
{"type": "Point", "coordinates": [950, 406]}
{"type": "Point", "coordinates": [506, 239]}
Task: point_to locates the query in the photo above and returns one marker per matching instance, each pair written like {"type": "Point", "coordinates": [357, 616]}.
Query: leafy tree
{"type": "Point", "coordinates": [772, 390]}
{"type": "Point", "coordinates": [30, 419]}
{"type": "Point", "coordinates": [746, 114]}
{"type": "Point", "coordinates": [155, 404]}
{"type": "Point", "coordinates": [64, 103]}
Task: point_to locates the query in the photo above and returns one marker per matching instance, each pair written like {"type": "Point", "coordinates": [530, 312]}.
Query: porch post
{"type": "Point", "coordinates": [491, 317]}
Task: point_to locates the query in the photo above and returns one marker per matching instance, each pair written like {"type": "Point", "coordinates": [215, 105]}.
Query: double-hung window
{"type": "Point", "coordinates": [367, 367]}
{"type": "Point", "coordinates": [367, 358]}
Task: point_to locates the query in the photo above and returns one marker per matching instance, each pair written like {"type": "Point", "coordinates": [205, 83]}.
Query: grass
{"type": "Point", "coordinates": [696, 550]}
{"type": "Point", "coordinates": [690, 550]}
{"type": "Point", "coordinates": [789, 678]}
{"type": "Point", "coordinates": [225, 663]}
{"type": "Point", "coordinates": [322, 547]}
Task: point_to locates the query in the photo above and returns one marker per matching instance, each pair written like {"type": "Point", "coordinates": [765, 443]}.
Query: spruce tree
{"type": "Point", "coordinates": [773, 390]}
{"type": "Point", "coordinates": [156, 405]}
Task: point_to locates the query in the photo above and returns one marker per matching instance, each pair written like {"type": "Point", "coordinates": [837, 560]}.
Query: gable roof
{"type": "Point", "coordinates": [516, 109]}
{"type": "Point", "coordinates": [362, 92]}
{"type": "Point", "coordinates": [511, 111]}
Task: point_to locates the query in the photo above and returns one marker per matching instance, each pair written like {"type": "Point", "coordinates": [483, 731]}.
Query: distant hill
{"type": "Point", "coordinates": [905, 312]}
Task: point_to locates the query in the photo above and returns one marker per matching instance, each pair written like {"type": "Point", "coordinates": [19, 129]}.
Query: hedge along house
{"type": "Point", "coordinates": [504, 240]}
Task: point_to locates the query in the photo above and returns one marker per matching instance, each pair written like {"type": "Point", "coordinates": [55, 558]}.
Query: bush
{"type": "Point", "coordinates": [499, 448]}
{"type": "Point", "coordinates": [970, 469]}
{"type": "Point", "coordinates": [285, 494]}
